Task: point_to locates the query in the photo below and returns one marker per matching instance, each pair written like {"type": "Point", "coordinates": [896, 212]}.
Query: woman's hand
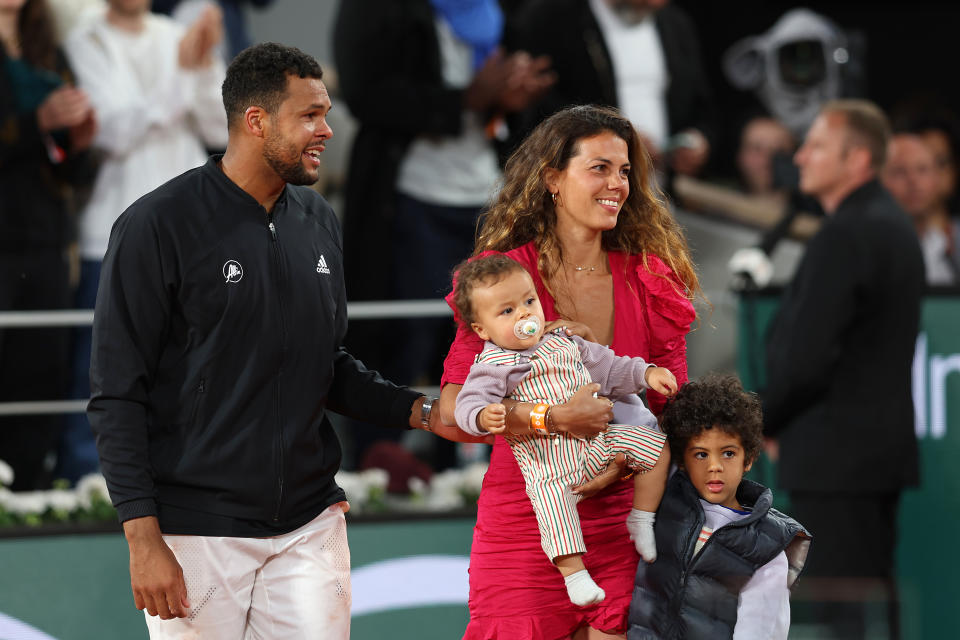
{"type": "Point", "coordinates": [584, 414]}
{"type": "Point", "coordinates": [63, 108]}
{"type": "Point", "coordinates": [571, 328]}
{"type": "Point", "coordinates": [608, 476]}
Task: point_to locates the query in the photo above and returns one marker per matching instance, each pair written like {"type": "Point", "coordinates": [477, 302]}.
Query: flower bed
{"type": "Point", "coordinates": [448, 491]}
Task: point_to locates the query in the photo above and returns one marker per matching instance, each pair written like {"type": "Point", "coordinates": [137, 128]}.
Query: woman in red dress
{"type": "Point", "coordinates": [578, 209]}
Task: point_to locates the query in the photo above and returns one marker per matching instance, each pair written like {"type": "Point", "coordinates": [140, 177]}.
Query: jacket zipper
{"type": "Point", "coordinates": [685, 571]}
{"type": "Point", "coordinates": [201, 389]}
{"type": "Point", "coordinates": [283, 348]}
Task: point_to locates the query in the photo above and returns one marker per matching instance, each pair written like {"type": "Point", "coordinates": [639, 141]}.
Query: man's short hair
{"type": "Point", "coordinates": [867, 126]}
{"type": "Point", "coordinates": [258, 76]}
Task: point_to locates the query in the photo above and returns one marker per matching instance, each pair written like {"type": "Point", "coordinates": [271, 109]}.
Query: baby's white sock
{"type": "Point", "coordinates": [582, 589]}
{"type": "Point", "coordinates": [640, 526]}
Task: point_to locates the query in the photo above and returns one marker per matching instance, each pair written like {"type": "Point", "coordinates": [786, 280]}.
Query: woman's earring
{"type": "Point", "coordinates": [557, 202]}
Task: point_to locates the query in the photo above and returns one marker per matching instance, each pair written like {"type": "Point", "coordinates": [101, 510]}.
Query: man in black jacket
{"type": "Point", "coordinates": [216, 354]}
{"type": "Point", "coordinates": [838, 397]}
{"type": "Point", "coordinates": [642, 56]}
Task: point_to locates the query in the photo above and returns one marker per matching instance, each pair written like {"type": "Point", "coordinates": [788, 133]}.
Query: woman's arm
{"type": "Point", "coordinates": [583, 415]}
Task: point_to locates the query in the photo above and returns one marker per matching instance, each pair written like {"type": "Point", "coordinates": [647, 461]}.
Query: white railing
{"type": "Point", "coordinates": [372, 310]}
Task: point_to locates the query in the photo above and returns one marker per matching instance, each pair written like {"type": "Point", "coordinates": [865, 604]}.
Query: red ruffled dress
{"type": "Point", "coordinates": [515, 591]}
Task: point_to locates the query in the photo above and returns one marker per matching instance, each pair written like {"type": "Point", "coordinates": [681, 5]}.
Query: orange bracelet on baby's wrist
{"type": "Point", "coordinates": [538, 418]}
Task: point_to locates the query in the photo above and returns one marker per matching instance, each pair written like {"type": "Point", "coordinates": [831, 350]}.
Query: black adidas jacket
{"type": "Point", "coordinates": [216, 353]}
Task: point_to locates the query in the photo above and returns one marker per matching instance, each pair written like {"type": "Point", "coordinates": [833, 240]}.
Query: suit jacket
{"type": "Point", "coordinates": [568, 32]}
{"type": "Point", "coordinates": [840, 350]}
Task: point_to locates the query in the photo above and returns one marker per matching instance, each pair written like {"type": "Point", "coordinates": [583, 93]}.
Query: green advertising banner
{"type": "Point", "coordinates": [930, 513]}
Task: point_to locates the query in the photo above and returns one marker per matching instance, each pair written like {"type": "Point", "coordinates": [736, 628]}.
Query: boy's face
{"type": "Point", "coordinates": [499, 306]}
{"type": "Point", "coordinates": [715, 462]}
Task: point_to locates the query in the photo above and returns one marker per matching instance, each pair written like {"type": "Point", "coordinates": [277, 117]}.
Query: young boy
{"type": "Point", "coordinates": [726, 558]}
{"type": "Point", "coordinates": [496, 297]}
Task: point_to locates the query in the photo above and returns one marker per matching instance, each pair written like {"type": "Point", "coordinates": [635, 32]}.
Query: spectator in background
{"type": "Point", "coordinates": [762, 139]}
{"type": "Point", "coordinates": [839, 355]}
{"type": "Point", "coordinates": [642, 56]}
{"type": "Point", "coordinates": [67, 14]}
{"type": "Point", "coordinates": [234, 20]}
{"type": "Point", "coordinates": [913, 178]}
{"type": "Point", "coordinates": [156, 89]}
{"type": "Point", "coordinates": [46, 125]}
{"type": "Point", "coordinates": [940, 129]}
{"type": "Point", "coordinates": [424, 79]}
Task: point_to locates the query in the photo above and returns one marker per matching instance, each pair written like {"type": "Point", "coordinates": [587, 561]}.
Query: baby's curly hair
{"type": "Point", "coordinates": [469, 274]}
{"type": "Point", "coordinates": [713, 401]}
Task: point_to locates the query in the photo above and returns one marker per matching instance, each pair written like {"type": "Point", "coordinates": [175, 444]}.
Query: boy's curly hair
{"type": "Point", "coordinates": [469, 274]}
{"type": "Point", "coordinates": [713, 401]}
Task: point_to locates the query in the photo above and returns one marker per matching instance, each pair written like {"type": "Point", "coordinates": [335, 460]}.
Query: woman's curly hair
{"type": "Point", "coordinates": [713, 401]}
{"type": "Point", "coordinates": [523, 209]}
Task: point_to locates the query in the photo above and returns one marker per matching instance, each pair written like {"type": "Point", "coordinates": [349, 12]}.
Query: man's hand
{"type": "Point", "coordinates": [608, 476]}
{"type": "Point", "coordinates": [155, 575]}
{"type": "Point", "coordinates": [508, 82]}
{"type": "Point", "coordinates": [528, 79]}
{"type": "Point", "coordinates": [438, 426]}
{"type": "Point", "coordinates": [584, 414]}
{"type": "Point", "coordinates": [689, 156]}
{"type": "Point", "coordinates": [198, 43]}
{"type": "Point", "coordinates": [493, 418]}
{"type": "Point", "coordinates": [661, 380]}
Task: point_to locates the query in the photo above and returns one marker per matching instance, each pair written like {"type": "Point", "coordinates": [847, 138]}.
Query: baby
{"type": "Point", "coordinates": [496, 297]}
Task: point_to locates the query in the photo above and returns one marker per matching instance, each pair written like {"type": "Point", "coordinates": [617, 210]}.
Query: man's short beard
{"type": "Point", "coordinates": [291, 173]}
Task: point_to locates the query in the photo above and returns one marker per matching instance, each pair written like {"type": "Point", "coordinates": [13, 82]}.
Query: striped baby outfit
{"type": "Point", "coordinates": [552, 465]}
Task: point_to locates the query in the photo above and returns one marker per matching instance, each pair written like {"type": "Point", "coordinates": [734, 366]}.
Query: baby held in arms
{"type": "Point", "coordinates": [497, 299]}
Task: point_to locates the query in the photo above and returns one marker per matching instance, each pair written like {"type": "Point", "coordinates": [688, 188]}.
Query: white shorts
{"type": "Point", "coordinates": [296, 585]}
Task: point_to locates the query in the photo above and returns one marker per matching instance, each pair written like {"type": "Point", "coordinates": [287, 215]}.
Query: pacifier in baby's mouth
{"type": "Point", "coordinates": [527, 327]}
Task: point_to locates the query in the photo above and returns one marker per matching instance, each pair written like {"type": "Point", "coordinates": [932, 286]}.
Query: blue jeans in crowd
{"type": "Point", "coordinates": [77, 453]}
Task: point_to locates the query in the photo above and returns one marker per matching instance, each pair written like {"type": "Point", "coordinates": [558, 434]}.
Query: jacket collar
{"type": "Point", "coordinates": [236, 195]}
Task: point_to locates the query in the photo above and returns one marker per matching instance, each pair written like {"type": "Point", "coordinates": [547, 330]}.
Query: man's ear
{"type": "Point", "coordinates": [747, 466]}
{"type": "Point", "coordinates": [479, 330]}
{"type": "Point", "coordinates": [254, 119]}
{"type": "Point", "coordinates": [860, 158]}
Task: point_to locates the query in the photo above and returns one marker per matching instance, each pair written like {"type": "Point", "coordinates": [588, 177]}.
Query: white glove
{"type": "Point", "coordinates": [754, 263]}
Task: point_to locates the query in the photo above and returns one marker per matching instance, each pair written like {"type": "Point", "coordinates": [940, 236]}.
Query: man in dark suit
{"type": "Point", "coordinates": [641, 56]}
{"type": "Point", "coordinates": [838, 398]}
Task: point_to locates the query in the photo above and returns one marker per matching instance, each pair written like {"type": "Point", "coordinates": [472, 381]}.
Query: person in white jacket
{"type": "Point", "coordinates": [155, 86]}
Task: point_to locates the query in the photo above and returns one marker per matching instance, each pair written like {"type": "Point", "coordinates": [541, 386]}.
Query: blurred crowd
{"type": "Point", "coordinates": [102, 101]}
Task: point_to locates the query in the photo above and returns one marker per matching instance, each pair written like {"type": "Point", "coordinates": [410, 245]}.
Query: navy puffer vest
{"type": "Point", "coordinates": [685, 597]}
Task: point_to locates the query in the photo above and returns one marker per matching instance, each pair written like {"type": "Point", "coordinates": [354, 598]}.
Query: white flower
{"type": "Point", "coordinates": [6, 474]}
{"type": "Point", "coordinates": [417, 486]}
{"type": "Point", "coordinates": [27, 502]}
{"type": "Point", "coordinates": [90, 485]}
{"type": "Point", "coordinates": [473, 476]}
{"type": "Point", "coordinates": [375, 478]}
{"type": "Point", "coordinates": [61, 499]}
